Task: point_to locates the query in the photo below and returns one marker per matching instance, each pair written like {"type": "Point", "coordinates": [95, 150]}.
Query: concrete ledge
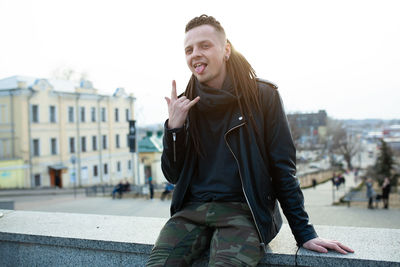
{"type": "Point", "coordinates": [64, 239]}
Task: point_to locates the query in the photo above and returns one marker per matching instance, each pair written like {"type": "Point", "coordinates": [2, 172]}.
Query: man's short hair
{"type": "Point", "coordinates": [204, 20]}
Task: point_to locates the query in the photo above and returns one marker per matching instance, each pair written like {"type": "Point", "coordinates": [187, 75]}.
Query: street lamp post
{"type": "Point", "coordinates": [133, 147]}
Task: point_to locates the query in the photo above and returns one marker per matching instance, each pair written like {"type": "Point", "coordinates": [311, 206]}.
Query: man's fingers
{"type": "Point", "coordinates": [321, 245]}
{"type": "Point", "coordinates": [185, 103]}
{"type": "Point", "coordinates": [317, 248]}
{"type": "Point", "coordinates": [173, 92]}
{"type": "Point", "coordinates": [168, 100]}
{"type": "Point", "coordinates": [345, 248]}
{"type": "Point", "coordinates": [336, 246]}
{"type": "Point", "coordinates": [194, 102]}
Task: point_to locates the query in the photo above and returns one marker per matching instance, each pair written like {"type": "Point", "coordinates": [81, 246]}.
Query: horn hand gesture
{"type": "Point", "coordinates": [178, 108]}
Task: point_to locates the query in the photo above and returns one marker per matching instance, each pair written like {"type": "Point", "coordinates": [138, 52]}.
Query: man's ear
{"type": "Point", "coordinates": [227, 50]}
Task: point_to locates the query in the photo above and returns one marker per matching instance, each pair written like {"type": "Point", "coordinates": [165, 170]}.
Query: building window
{"type": "Point", "coordinates": [118, 166]}
{"type": "Point", "coordinates": [72, 145]}
{"type": "Point", "coordinates": [105, 168]}
{"type": "Point", "coordinates": [103, 114]}
{"type": "Point", "coordinates": [94, 143]}
{"type": "Point", "coordinates": [117, 140]}
{"type": "Point", "coordinates": [53, 146]}
{"type": "Point", "coordinates": [93, 112]}
{"type": "Point", "coordinates": [82, 114]}
{"type": "Point", "coordinates": [127, 114]}
{"type": "Point", "coordinates": [36, 147]}
{"type": "Point", "coordinates": [35, 113]}
{"type": "Point", "coordinates": [95, 171]}
{"type": "Point", "coordinates": [71, 114]}
{"type": "Point", "coordinates": [52, 111]}
{"type": "Point", "coordinates": [37, 180]}
{"type": "Point", "coordinates": [116, 115]}
{"type": "Point", "coordinates": [3, 144]}
{"type": "Point", "coordinates": [104, 141]}
{"type": "Point", "coordinates": [5, 148]}
{"type": "Point", "coordinates": [3, 113]}
{"type": "Point", "coordinates": [83, 144]}
{"type": "Point", "coordinates": [129, 165]}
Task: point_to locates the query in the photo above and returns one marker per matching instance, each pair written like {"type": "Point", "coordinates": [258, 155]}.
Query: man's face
{"type": "Point", "coordinates": [205, 50]}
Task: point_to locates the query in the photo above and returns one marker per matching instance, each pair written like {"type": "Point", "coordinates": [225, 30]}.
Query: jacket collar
{"type": "Point", "coordinates": [237, 120]}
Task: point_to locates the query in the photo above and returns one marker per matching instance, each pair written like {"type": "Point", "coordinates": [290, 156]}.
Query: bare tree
{"type": "Point", "coordinates": [68, 73]}
{"type": "Point", "coordinates": [294, 129]}
{"type": "Point", "coordinates": [342, 141]}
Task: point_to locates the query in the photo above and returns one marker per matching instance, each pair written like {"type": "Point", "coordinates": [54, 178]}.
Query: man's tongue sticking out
{"type": "Point", "coordinates": [200, 68]}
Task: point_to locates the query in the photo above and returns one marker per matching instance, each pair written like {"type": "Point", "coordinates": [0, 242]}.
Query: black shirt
{"type": "Point", "coordinates": [217, 176]}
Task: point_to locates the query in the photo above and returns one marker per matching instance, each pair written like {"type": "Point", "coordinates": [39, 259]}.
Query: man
{"type": "Point", "coordinates": [228, 149]}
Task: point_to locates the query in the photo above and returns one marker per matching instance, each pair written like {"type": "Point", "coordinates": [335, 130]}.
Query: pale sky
{"type": "Point", "coordinates": [341, 56]}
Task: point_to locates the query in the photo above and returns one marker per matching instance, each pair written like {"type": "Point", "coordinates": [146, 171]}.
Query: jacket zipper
{"type": "Point", "coordinates": [241, 179]}
{"type": "Point", "coordinates": [174, 141]}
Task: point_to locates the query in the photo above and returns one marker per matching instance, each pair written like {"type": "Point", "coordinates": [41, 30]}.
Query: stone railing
{"type": "Point", "coordinates": [319, 175]}
{"type": "Point", "coordinates": [63, 239]}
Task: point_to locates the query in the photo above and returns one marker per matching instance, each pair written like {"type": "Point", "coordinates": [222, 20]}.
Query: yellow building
{"type": "Point", "coordinates": [53, 127]}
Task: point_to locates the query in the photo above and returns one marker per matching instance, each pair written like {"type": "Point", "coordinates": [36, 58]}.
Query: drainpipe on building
{"type": "Point", "coordinates": [30, 136]}
{"type": "Point", "coordinates": [108, 141]}
{"type": "Point", "coordinates": [78, 150]}
{"type": "Point", "coordinates": [100, 144]}
{"type": "Point", "coordinates": [12, 124]}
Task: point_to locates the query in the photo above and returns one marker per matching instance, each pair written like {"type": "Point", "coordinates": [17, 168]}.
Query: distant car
{"type": "Point", "coordinates": [314, 166]}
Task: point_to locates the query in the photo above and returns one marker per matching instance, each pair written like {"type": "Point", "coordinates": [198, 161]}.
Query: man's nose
{"type": "Point", "coordinates": [196, 52]}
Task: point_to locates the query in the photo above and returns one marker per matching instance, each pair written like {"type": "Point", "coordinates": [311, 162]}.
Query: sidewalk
{"type": "Point", "coordinates": [39, 192]}
{"type": "Point", "coordinates": [318, 204]}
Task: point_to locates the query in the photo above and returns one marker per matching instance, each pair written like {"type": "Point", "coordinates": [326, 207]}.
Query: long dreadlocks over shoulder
{"type": "Point", "coordinates": [238, 68]}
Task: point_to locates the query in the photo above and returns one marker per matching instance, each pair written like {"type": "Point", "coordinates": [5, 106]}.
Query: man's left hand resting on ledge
{"type": "Point", "coordinates": [322, 245]}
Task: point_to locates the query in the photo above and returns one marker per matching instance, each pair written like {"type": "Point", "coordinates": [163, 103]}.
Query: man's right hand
{"type": "Point", "coordinates": [178, 108]}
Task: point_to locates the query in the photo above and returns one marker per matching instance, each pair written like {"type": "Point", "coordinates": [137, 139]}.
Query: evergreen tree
{"type": "Point", "coordinates": [384, 162]}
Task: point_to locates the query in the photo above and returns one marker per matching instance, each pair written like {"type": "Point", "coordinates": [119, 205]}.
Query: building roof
{"type": "Point", "coordinates": [151, 144]}
{"type": "Point", "coordinates": [58, 84]}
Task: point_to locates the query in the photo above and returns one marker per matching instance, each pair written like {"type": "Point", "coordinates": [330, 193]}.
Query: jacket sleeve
{"type": "Point", "coordinates": [282, 154]}
{"type": "Point", "coordinates": [173, 154]}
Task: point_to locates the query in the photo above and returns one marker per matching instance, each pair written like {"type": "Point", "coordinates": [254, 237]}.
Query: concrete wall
{"type": "Point", "coordinates": [12, 173]}
{"type": "Point", "coordinates": [62, 239]}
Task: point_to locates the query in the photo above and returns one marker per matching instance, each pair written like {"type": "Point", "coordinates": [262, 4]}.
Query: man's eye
{"type": "Point", "coordinates": [188, 51]}
{"type": "Point", "coordinates": [205, 46]}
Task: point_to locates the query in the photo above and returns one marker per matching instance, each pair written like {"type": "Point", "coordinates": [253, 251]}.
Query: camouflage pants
{"type": "Point", "coordinates": [226, 227]}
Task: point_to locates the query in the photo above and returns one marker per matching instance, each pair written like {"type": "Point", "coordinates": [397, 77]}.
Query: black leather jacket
{"type": "Point", "coordinates": [266, 162]}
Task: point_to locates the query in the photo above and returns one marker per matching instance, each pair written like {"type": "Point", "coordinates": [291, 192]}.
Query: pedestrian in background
{"type": "Point", "coordinates": [386, 192]}
{"type": "Point", "coordinates": [370, 193]}
{"type": "Point", "coordinates": [342, 180]}
{"type": "Point", "coordinates": [151, 187]}
{"type": "Point", "coordinates": [167, 190]}
{"type": "Point", "coordinates": [314, 183]}
{"type": "Point", "coordinates": [117, 189]}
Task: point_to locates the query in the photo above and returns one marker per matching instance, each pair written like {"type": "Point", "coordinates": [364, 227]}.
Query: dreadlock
{"type": "Point", "coordinates": [238, 68]}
